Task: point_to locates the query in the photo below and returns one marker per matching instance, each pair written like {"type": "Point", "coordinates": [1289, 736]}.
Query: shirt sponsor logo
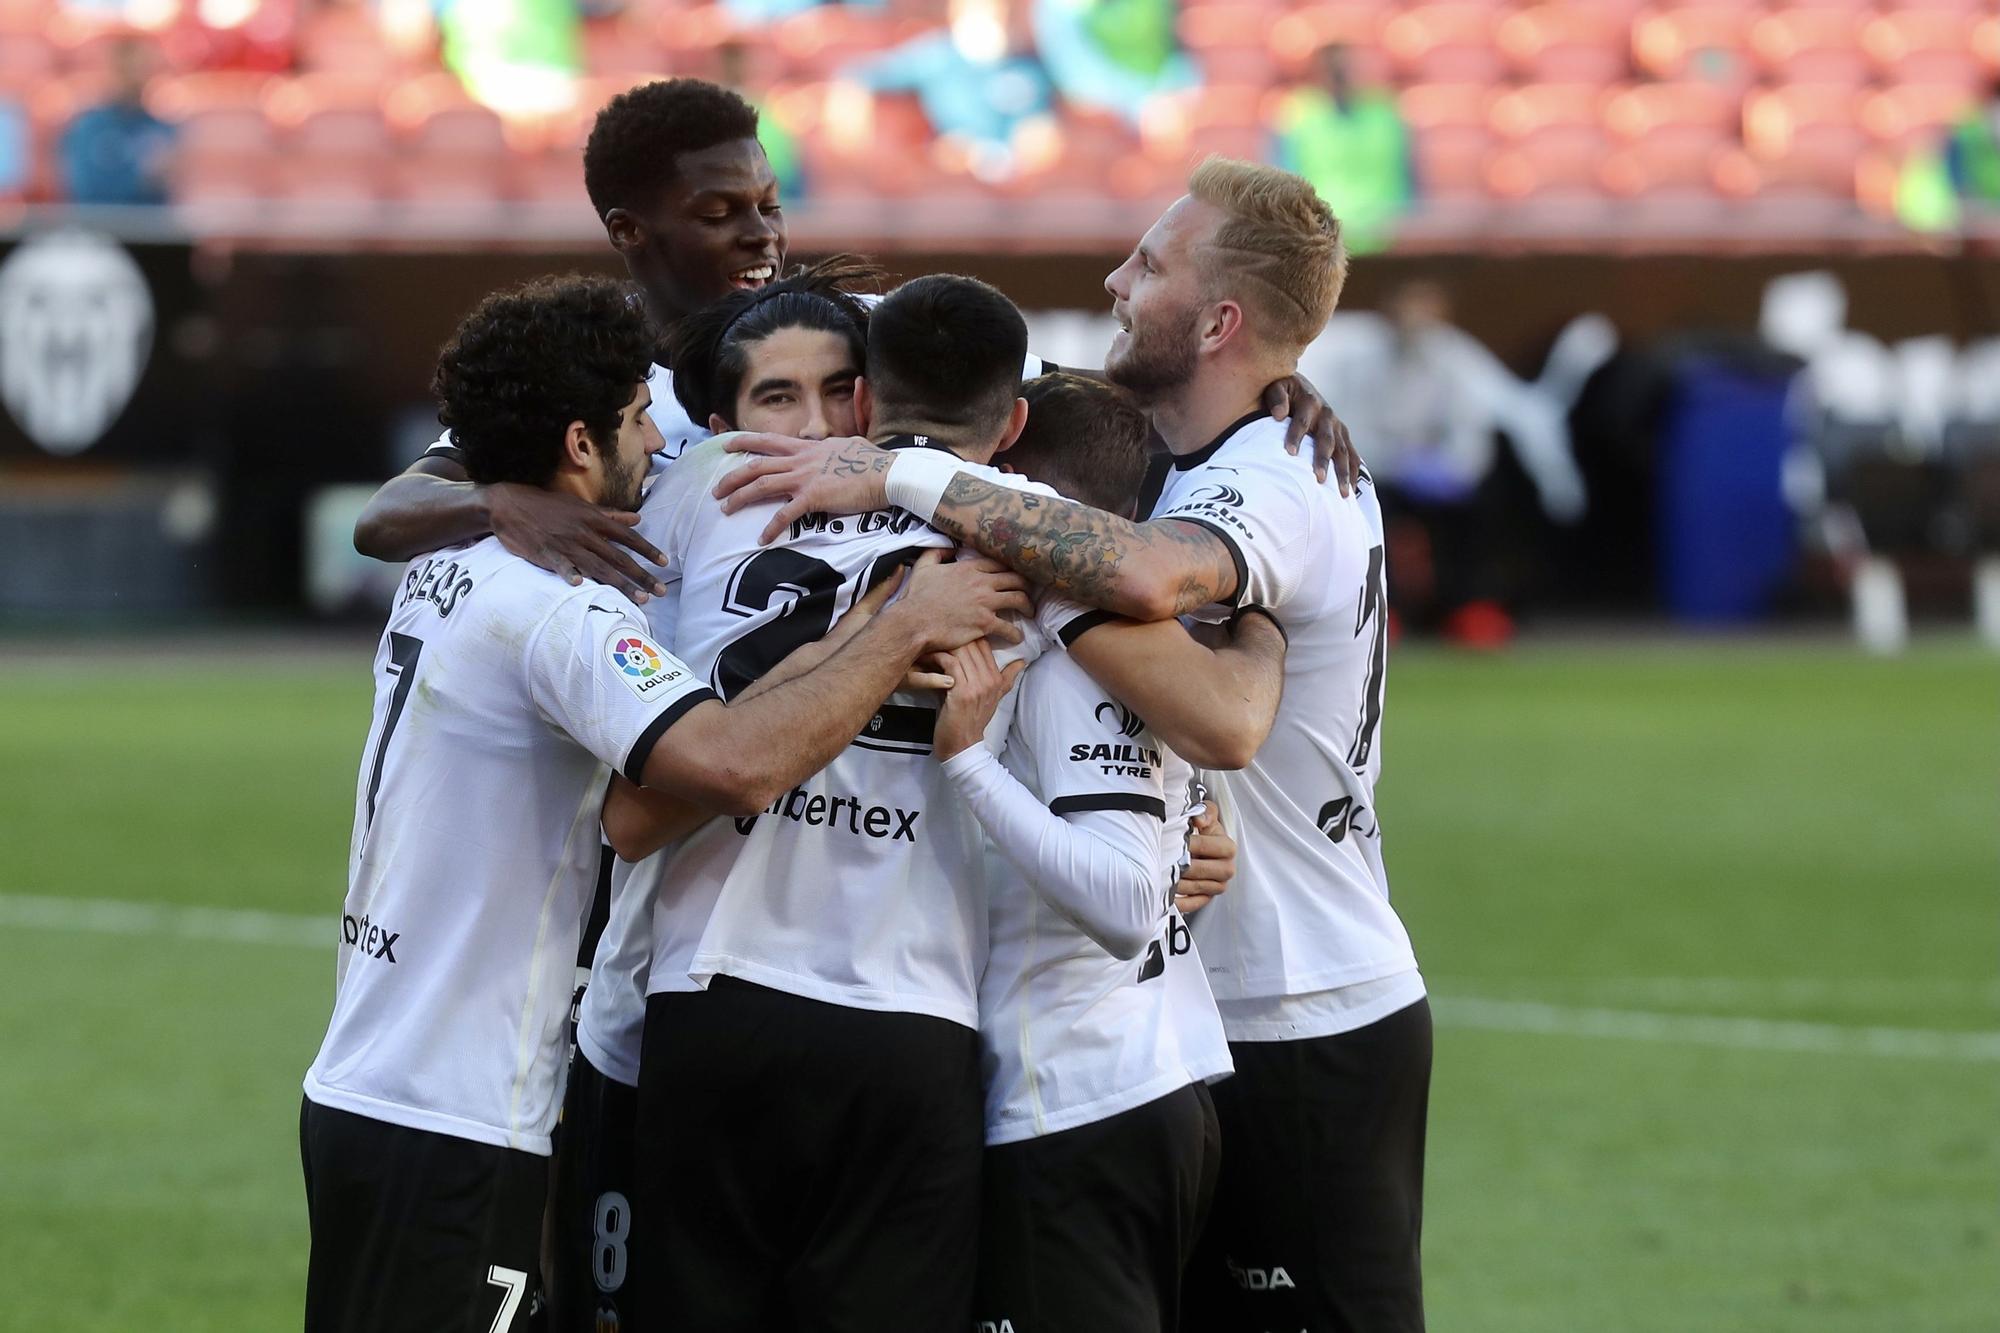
{"type": "Point", "coordinates": [1338, 816]}
{"type": "Point", "coordinates": [1119, 718]}
{"type": "Point", "coordinates": [640, 664]}
{"type": "Point", "coordinates": [862, 821]}
{"type": "Point", "coordinates": [1117, 761]}
{"type": "Point", "coordinates": [372, 938]}
{"type": "Point", "coordinates": [1214, 504]}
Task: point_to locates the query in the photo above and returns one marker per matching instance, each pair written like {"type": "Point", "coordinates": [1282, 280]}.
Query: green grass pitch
{"type": "Point", "coordinates": [1668, 898]}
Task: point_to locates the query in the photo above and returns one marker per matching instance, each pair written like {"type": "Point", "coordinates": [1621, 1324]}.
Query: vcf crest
{"type": "Point", "coordinates": [76, 326]}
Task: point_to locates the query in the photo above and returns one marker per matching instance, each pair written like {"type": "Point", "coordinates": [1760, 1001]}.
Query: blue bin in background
{"type": "Point", "coordinates": [1727, 539]}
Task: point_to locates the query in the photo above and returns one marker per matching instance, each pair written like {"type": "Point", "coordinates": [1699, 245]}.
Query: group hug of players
{"type": "Point", "coordinates": [966, 813]}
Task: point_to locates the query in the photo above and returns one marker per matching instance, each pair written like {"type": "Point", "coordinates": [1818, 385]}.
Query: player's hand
{"type": "Point", "coordinates": [573, 538]}
{"type": "Point", "coordinates": [1211, 863]}
{"type": "Point", "coordinates": [978, 683]}
{"type": "Point", "coordinates": [948, 605]}
{"type": "Point", "coordinates": [1294, 401]}
{"type": "Point", "coordinates": [845, 476]}
{"type": "Point", "coordinates": [930, 673]}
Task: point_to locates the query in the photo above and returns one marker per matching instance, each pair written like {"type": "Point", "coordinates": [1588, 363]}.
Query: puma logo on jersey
{"type": "Point", "coordinates": [1121, 761]}
{"type": "Point", "coordinates": [371, 938]}
{"type": "Point", "coordinates": [870, 821]}
{"type": "Point", "coordinates": [1260, 1279]}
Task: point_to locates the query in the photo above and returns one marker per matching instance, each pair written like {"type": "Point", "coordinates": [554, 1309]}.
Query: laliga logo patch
{"type": "Point", "coordinates": [641, 665]}
{"type": "Point", "coordinates": [76, 326]}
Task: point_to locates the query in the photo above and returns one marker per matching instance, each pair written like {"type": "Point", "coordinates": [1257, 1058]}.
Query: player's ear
{"type": "Point", "coordinates": [1225, 321]}
{"type": "Point", "coordinates": [864, 404]}
{"type": "Point", "coordinates": [1017, 421]}
{"type": "Point", "coordinates": [717, 426]}
{"type": "Point", "coordinates": [625, 232]}
{"type": "Point", "coordinates": [578, 448]}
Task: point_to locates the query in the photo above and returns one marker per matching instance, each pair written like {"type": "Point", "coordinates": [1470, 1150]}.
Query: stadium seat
{"type": "Point", "coordinates": [1231, 42]}
{"type": "Point", "coordinates": [1658, 112]}
{"type": "Point", "coordinates": [218, 114]}
{"type": "Point", "coordinates": [1905, 116]}
{"type": "Point", "coordinates": [822, 41]}
{"type": "Point", "coordinates": [614, 47]}
{"type": "Point", "coordinates": [690, 39]}
{"type": "Point", "coordinates": [344, 41]}
{"type": "Point", "coordinates": [1806, 134]}
{"type": "Point", "coordinates": [1444, 43]}
{"type": "Point", "coordinates": [1560, 43]}
{"type": "Point", "coordinates": [1295, 36]}
{"type": "Point", "coordinates": [1705, 43]}
{"type": "Point", "coordinates": [1558, 114]}
{"type": "Point", "coordinates": [1811, 45]}
{"type": "Point", "coordinates": [1931, 47]}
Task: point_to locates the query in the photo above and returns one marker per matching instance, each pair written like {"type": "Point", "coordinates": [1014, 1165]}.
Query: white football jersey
{"type": "Point", "coordinates": [864, 885]}
{"type": "Point", "coordinates": [676, 429]}
{"type": "Point", "coordinates": [503, 700]}
{"type": "Point", "coordinates": [1070, 1033]}
{"type": "Point", "coordinates": [1309, 909]}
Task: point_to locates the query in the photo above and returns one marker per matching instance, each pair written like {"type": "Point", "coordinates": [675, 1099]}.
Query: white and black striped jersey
{"type": "Point", "coordinates": [503, 700]}
{"type": "Point", "coordinates": [1309, 909]}
{"type": "Point", "coordinates": [1093, 999]}
{"type": "Point", "coordinates": [863, 886]}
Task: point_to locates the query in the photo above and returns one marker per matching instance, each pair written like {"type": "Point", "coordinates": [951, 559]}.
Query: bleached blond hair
{"type": "Point", "coordinates": [1278, 249]}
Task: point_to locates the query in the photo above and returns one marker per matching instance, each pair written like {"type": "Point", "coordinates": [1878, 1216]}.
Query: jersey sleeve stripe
{"type": "Point", "coordinates": [1228, 539]}
{"type": "Point", "coordinates": [1110, 800]}
{"type": "Point", "coordinates": [642, 749]}
{"type": "Point", "coordinates": [1082, 625]}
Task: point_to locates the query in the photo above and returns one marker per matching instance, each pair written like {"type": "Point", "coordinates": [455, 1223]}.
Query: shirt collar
{"type": "Point", "coordinates": [1184, 462]}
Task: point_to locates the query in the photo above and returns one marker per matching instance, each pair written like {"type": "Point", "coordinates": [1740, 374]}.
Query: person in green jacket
{"type": "Point", "coordinates": [1352, 144]}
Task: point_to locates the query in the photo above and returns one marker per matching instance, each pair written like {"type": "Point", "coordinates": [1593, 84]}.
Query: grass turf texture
{"type": "Point", "coordinates": [1783, 833]}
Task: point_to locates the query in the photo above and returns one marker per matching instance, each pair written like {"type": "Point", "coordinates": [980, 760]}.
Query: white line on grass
{"type": "Point", "coordinates": [1749, 1034]}
{"type": "Point", "coordinates": [109, 917]}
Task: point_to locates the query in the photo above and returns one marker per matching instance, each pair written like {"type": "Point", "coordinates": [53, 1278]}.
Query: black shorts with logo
{"type": "Point", "coordinates": [1318, 1218]}
{"type": "Point", "coordinates": [1087, 1230]}
{"type": "Point", "coordinates": [415, 1231]}
{"type": "Point", "coordinates": [590, 1207]}
{"type": "Point", "coordinates": [804, 1165]}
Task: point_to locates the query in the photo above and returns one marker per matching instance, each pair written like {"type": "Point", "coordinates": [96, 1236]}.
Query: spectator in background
{"type": "Point", "coordinates": [781, 146]}
{"type": "Point", "coordinates": [1424, 401]}
{"type": "Point", "coordinates": [1113, 54]}
{"type": "Point", "coordinates": [1352, 145]}
{"type": "Point", "coordinates": [1938, 185]}
{"type": "Point", "coordinates": [519, 57]}
{"type": "Point", "coordinates": [117, 152]}
{"type": "Point", "coordinates": [978, 80]}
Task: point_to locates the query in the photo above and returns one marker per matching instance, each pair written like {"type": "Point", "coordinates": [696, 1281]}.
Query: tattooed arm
{"type": "Point", "coordinates": [1145, 571]}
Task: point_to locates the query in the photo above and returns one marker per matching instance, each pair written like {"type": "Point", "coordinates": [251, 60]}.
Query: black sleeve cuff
{"type": "Point", "coordinates": [1110, 800]}
{"type": "Point", "coordinates": [1082, 625]}
{"type": "Point", "coordinates": [1228, 539]}
{"type": "Point", "coordinates": [642, 749]}
{"type": "Point", "coordinates": [1264, 611]}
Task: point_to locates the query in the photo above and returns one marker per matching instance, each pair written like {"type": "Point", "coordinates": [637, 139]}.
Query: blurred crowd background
{"type": "Point", "coordinates": [1660, 311]}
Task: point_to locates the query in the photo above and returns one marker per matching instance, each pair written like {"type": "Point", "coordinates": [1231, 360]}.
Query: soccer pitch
{"type": "Point", "coordinates": [1713, 933]}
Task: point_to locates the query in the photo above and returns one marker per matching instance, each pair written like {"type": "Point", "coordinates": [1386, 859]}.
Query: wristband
{"type": "Point", "coordinates": [917, 479]}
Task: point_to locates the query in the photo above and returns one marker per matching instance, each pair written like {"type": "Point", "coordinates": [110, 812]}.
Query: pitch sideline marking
{"type": "Point", "coordinates": [112, 917]}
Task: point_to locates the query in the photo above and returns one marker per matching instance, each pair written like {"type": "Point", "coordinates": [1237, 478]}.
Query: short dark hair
{"type": "Point", "coordinates": [1085, 438]}
{"type": "Point", "coordinates": [948, 349]}
{"type": "Point", "coordinates": [635, 146]}
{"type": "Point", "coordinates": [531, 359]}
{"type": "Point", "coordinates": [710, 350]}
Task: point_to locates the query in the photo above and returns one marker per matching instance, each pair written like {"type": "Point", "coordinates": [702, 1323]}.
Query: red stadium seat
{"type": "Point", "coordinates": [1524, 115]}
{"type": "Point", "coordinates": [1914, 113]}
{"type": "Point", "coordinates": [613, 47]}
{"type": "Point", "coordinates": [344, 41]}
{"type": "Point", "coordinates": [1808, 135]}
{"type": "Point", "coordinates": [1811, 46]}
{"type": "Point", "coordinates": [1444, 43]}
{"type": "Point", "coordinates": [329, 117]}
{"type": "Point", "coordinates": [1297, 35]}
{"type": "Point", "coordinates": [1563, 43]}
{"type": "Point", "coordinates": [1649, 110]}
{"type": "Point", "coordinates": [1931, 47]}
{"type": "Point", "coordinates": [1699, 42]}
{"type": "Point", "coordinates": [1231, 41]}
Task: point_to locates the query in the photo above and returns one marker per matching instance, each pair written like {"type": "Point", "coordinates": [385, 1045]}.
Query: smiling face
{"type": "Point", "coordinates": [1158, 297]}
{"type": "Point", "coordinates": [799, 382]}
{"type": "Point", "coordinates": [716, 228]}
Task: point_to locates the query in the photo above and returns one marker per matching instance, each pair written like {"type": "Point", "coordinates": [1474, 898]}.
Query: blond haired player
{"type": "Point", "coordinates": [1318, 1217]}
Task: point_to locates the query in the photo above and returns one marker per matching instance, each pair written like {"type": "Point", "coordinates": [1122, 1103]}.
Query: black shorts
{"type": "Point", "coordinates": [417, 1232]}
{"type": "Point", "coordinates": [1319, 1214]}
{"type": "Point", "coordinates": [590, 1207]}
{"type": "Point", "coordinates": [806, 1165]}
{"type": "Point", "coordinates": [1087, 1230]}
